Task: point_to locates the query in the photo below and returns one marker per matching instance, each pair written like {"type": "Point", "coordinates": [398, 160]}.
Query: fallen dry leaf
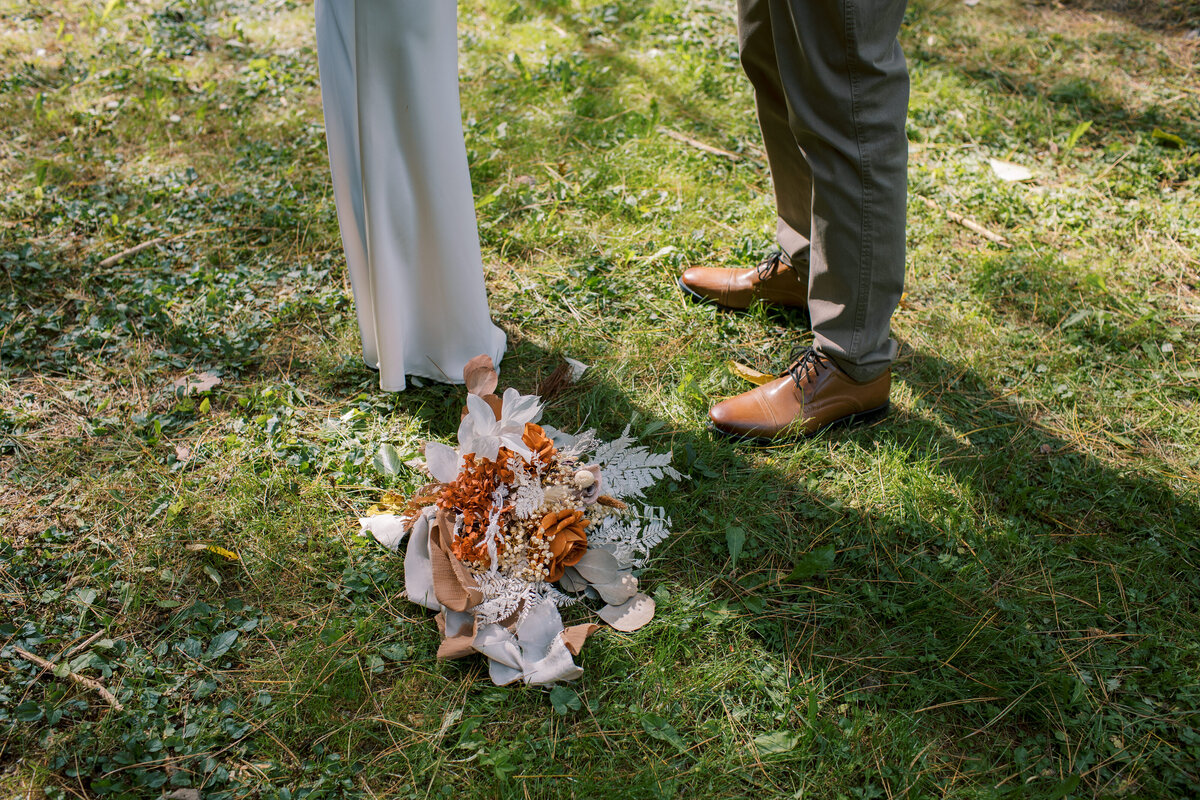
{"type": "Point", "coordinates": [750, 373]}
{"type": "Point", "coordinates": [228, 555]}
{"type": "Point", "coordinates": [1008, 171]}
{"type": "Point", "coordinates": [192, 384]}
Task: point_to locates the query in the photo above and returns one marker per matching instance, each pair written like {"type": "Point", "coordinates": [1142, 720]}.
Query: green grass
{"type": "Point", "coordinates": [993, 593]}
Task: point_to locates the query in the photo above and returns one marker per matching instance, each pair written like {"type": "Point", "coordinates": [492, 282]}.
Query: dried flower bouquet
{"type": "Point", "coordinates": [523, 520]}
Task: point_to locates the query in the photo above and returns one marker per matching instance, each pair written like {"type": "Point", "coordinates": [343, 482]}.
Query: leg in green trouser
{"type": "Point", "coordinates": [832, 92]}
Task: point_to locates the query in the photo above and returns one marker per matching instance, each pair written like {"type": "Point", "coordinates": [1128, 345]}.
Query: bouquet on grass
{"type": "Point", "coordinates": [521, 521]}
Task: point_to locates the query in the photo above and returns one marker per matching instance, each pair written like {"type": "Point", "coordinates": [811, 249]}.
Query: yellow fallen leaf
{"type": "Point", "coordinates": [213, 548]}
{"type": "Point", "coordinates": [750, 374]}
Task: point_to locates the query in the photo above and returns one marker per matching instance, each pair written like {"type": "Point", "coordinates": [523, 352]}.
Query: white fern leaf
{"type": "Point", "coordinates": [629, 470]}
{"type": "Point", "coordinates": [631, 536]}
{"type": "Point", "coordinates": [573, 446]}
{"type": "Point", "coordinates": [503, 596]}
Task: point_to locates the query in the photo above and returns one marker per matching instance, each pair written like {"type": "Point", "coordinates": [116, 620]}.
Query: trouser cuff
{"type": "Point", "coordinates": [863, 371]}
{"type": "Point", "coordinates": [793, 244]}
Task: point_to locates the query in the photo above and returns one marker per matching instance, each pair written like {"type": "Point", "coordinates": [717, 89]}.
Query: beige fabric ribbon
{"type": "Point", "coordinates": [458, 632]}
{"type": "Point", "coordinates": [576, 635]}
{"type": "Point", "coordinates": [453, 585]}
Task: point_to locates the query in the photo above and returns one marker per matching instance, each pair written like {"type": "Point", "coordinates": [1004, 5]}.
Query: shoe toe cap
{"type": "Point", "coordinates": [725, 417]}
{"type": "Point", "coordinates": [694, 279]}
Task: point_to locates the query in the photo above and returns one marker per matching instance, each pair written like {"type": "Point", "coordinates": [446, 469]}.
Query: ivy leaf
{"type": "Point", "coordinates": [29, 711]}
{"type": "Point", "coordinates": [1064, 788]}
{"type": "Point", "coordinates": [564, 700]}
{"type": "Point", "coordinates": [662, 730]}
{"type": "Point", "coordinates": [394, 652]}
{"type": "Point", "coordinates": [79, 663]}
{"type": "Point", "coordinates": [220, 645]}
{"type": "Point", "coordinates": [813, 563]}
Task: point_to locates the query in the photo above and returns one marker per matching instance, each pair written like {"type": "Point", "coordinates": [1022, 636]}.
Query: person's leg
{"type": "Point", "coordinates": [846, 88]}
{"type": "Point", "coordinates": [846, 85]}
{"type": "Point", "coordinates": [423, 285]}
{"type": "Point", "coordinates": [339, 97]}
{"type": "Point", "coordinates": [790, 170]}
{"type": "Point", "coordinates": [776, 281]}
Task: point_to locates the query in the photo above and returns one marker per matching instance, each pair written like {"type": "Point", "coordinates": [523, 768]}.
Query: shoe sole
{"type": "Point", "coordinates": [850, 420]}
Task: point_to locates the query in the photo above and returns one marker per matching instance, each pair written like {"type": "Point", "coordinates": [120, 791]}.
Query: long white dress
{"type": "Point", "coordinates": [389, 86]}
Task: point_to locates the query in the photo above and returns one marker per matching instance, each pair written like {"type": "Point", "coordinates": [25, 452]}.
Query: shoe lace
{"type": "Point", "coordinates": [804, 359]}
{"type": "Point", "coordinates": [771, 265]}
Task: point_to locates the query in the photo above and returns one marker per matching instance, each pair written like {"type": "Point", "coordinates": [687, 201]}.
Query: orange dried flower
{"type": "Point", "coordinates": [565, 532]}
{"type": "Point", "coordinates": [470, 494]}
{"type": "Point", "coordinates": [535, 439]}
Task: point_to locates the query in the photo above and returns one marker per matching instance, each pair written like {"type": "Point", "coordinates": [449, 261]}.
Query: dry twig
{"type": "Point", "coordinates": [549, 387]}
{"type": "Point", "coordinates": [86, 643]}
{"type": "Point", "coordinates": [969, 224]}
{"type": "Point", "coordinates": [699, 145]}
{"type": "Point", "coordinates": [94, 685]}
{"type": "Point", "coordinates": [117, 258]}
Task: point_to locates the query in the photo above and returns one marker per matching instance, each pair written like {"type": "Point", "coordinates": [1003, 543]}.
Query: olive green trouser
{"type": "Point", "coordinates": [831, 87]}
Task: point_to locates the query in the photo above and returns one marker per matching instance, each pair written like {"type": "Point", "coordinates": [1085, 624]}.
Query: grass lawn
{"type": "Point", "coordinates": [992, 593]}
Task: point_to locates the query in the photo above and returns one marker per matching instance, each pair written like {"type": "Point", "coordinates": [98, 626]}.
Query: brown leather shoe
{"type": "Point", "coordinates": [814, 394]}
{"type": "Point", "coordinates": [773, 281]}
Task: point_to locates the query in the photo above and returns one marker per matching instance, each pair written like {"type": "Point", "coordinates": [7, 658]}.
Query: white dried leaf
{"type": "Point", "coordinates": [192, 384]}
{"type": "Point", "coordinates": [577, 368]}
{"type": "Point", "coordinates": [388, 529]}
{"type": "Point", "coordinates": [443, 461]}
{"type": "Point", "coordinates": [1008, 171]}
{"type": "Point", "coordinates": [631, 615]}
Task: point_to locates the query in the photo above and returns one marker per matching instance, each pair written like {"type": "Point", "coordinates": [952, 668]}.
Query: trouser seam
{"type": "Point", "coordinates": [866, 249]}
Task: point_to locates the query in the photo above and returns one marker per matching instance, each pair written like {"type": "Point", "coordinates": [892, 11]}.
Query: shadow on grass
{"type": "Point", "coordinates": [1019, 590]}
{"type": "Point", "coordinates": [1155, 15]}
{"type": "Point", "coordinates": [1011, 604]}
{"type": "Point", "coordinates": [1070, 86]}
